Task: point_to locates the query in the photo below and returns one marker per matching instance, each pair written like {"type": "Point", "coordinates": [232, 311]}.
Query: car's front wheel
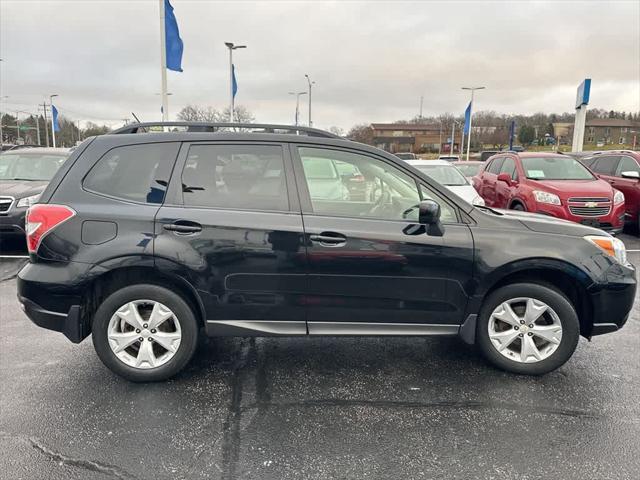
{"type": "Point", "coordinates": [527, 328]}
{"type": "Point", "coordinates": [145, 333]}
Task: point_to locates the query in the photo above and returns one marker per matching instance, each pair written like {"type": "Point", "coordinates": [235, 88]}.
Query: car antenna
{"type": "Point", "coordinates": [136, 117]}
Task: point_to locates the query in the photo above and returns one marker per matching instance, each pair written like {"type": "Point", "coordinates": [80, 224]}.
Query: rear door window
{"type": "Point", "coordinates": [248, 177]}
{"type": "Point", "coordinates": [605, 165]}
{"type": "Point", "coordinates": [138, 173]}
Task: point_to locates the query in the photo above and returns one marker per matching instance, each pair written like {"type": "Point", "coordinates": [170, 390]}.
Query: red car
{"type": "Point", "coordinates": [622, 170]}
{"type": "Point", "coordinates": [550, 184]}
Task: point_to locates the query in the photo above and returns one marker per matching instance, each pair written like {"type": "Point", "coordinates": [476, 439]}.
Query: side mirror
{"type": "Point", "coordinates": [633, 175]}
{"type": "Point", "coordinates": [505, 177]}
{"type": "Point", "coordinates": [429, 215]}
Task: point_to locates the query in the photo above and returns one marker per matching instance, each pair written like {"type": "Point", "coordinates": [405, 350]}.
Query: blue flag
{"type": "Point", "coordinates": [173, 42]}
{"type": "Point", "coordinates": [234, 82]}
{"type": "Point", "coordinates": [54, 113]}
{"type": "Point", "coordinates": [467, 119]}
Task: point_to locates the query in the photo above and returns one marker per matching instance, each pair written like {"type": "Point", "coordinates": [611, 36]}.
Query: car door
{"type": "Point", "coordinates": [372, 268]}
{"type": "Point", "coordinates": [489, 181]}
{"type": "Point", "coordinates": [232, 229]}
{"type": "Point", "coordinates": [605, 167]}
{"type": "Point", "coordinates": [629, 186]}
{"type": "Point", "coordinates": [504, 192]}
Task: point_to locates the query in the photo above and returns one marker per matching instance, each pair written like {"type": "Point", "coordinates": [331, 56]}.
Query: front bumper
{"type": "Point", "coordinates": [12, 223]}
{"type": "Point", "coordinates": [612, 299]}
{"type": "Point", "coordinates": [613, 222]}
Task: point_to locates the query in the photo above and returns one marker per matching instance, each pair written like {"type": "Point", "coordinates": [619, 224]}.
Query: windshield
{"type": "Point", "coordinates": [469, 170]}
{"type": "Point", "coordinates": [29, 166]}
{"type": "Point", "coordinates": [444, 174]}
{"type": "Point", "coordinates": [555, 168]}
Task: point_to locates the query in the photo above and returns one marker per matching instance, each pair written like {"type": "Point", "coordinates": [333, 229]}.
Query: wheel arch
{"type": "Point", "coordinates": [517, 201]}
{"type": "Point", "coordinates": [111, 280]}
{"type": "Point", "coordinates": [561, 276]}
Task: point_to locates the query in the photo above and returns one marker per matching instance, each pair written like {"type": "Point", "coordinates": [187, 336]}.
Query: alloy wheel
{"type": "Point", "coordinates": [525, 330]}
{"type": "Point", "coordinates": [144, 334]}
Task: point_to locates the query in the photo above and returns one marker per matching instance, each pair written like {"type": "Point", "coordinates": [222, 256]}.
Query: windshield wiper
{"type": "Point", "coordinates": [26, 179]}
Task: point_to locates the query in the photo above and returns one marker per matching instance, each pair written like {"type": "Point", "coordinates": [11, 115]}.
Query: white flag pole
{"type": "Point", "coordinates": [163, 64]}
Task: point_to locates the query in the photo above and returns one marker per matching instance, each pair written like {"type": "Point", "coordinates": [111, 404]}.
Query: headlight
{"type": "Point", "coordinates": [546, 197]}
{"type": "Point", "coordinates": [28, 201]}
{"type": "Point", "coordinates": [618, 197]}
{"type": "Point", "coordinates": [611, 246]}
{"type": "Point", "coordinates": [478, 201]}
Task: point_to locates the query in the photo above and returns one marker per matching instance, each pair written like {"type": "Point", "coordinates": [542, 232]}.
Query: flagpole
{"type": "Point", "coordinates": [163, 64]}
{"type": "Point", "coordinates": [473, 89]}
{"type": "Point", "coordinates": [231, 105]}
{"type": "Point", "coordinates": [53, 125]}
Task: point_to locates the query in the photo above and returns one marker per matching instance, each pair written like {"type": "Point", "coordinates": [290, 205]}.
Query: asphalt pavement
{"type": "Point", "coordinates": [320, 408]}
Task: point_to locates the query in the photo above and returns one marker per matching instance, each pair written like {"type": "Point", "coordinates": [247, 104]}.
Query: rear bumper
{"type": "Point", "coordinates": [70, 323]}
{"type": "Point", "coordinates": [52, 300]}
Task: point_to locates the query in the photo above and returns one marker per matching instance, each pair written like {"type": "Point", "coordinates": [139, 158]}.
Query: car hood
{"type": "Point", "coordinates": [545, 224]}
{"type": "Point", "coordinates": [574, 188]}
{"type": "Point", "coordinates": [21, 188]}
{"type": "Point", "coordinates": [466, 192]}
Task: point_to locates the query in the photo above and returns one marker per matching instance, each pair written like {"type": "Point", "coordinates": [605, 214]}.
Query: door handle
{"type": "Point", "coordinates": [183, 227]}
{"type": "Point", "coordinates": [329, 239]}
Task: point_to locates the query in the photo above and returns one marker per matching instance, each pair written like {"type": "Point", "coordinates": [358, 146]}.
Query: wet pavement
{"type": "Point", "coordinates": [392, 408]}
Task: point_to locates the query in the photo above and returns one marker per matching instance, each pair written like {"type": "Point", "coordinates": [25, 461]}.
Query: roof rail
{"type": "Point", "coordinates": [147, 127]}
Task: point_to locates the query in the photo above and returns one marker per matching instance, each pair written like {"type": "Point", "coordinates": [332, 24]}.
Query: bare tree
{"type": "Point", "coordinates": [362, 133]}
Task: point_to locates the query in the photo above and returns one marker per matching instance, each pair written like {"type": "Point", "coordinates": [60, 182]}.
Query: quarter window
{"type": "Point", "coordinates": [605, 165]}
{"type": "Point", "coordinates": [139, 173]}
{"type": "Point", "coordinates": [495, 166]}
{"type": "Point", "coordinates": [627, 164]}
{"type": "Point", "coordinates": [235, 176]}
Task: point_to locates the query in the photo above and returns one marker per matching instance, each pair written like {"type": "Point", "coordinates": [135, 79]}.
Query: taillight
{"type": "Point", "coordinates": [42, 219]}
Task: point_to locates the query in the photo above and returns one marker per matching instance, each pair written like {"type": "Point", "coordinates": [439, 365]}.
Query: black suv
{"type": "Point", "coordinates": [145, 239]}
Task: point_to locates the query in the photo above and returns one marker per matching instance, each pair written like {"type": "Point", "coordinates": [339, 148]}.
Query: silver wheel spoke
{"type": "Point", "coordinates": [159, 315]}
{"type": "Point", "coordinates": [169, 341]}
{"type": "Point", "coordinates": [534, 311]}
{"type": "Point", "coordinates": [537, 341]}
{"type": "Point", "coordinates": [529, 349]}
{"type": "Point", "coordinates": [550, 333]}
{"type": "Point", "coordinates": [135, 324]}
{"type": "Point", "coordinates": [129, 313]}
{"type": "Point", "coordinates": [146, 355]}
{"type": "Point", "coordinates": [120, 341]}
{"type": "Point", "coordinates": [505, 338]}
{"type": "Point", "coordinates": [507, 315]}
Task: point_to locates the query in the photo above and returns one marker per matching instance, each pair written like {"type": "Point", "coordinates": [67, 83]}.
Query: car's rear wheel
{"type": "Point", "coordinates": [145, 333]}
{"type": "Point", "coordinates": [517, 206]}
{"type": "Point", "coordinates": [527, 328]}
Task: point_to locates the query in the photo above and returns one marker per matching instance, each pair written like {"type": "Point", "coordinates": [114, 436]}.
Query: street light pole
{"type": "Point", "coordinates": [1, 114]}
{"type": "Point", "coordinates": [231, 48]}
{"type": "Point", "coordinates": [310, 85]}
{"type": "Point", "coordinates": [297, 94]}
{"type": "Point", "coordinates": [53, 127]}
{"type": "Point", "coordinates": [473, 89]}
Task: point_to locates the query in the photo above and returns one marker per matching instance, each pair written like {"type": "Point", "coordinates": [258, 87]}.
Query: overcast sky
{"type": "Point", "coordinates": [371, 60]}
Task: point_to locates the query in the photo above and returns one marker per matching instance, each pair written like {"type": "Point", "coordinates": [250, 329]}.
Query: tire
{"type": "Point", "coordinates": [517, 206]}
{"type": "Point", "coordinates": [182, 327]}
{"type": "Point", "coordinates": [559, 312]}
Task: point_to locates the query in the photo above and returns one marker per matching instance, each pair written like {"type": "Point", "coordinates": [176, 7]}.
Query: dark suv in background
{"type": "Point", "coordinates": [144, 240]}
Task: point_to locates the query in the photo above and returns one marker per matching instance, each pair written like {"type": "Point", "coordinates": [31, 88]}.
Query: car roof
{"type": "Point", "coordinates": [468, 162]}
{"type": "Point", "coordinates": [38, 150]}
{"type": "Point", "coordinates": [428, 162]}
{"type": "Point", "coordinates": [537, 154]}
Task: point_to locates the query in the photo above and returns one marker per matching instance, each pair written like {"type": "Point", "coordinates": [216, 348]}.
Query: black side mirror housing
{"type": "Point", "coordinates": [429, 215]}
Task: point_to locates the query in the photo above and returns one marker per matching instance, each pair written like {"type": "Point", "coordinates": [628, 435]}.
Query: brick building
{"type": "Point", "coordinates": [604, 131]}
{"type": "Point", "coordinates": [411, 137]}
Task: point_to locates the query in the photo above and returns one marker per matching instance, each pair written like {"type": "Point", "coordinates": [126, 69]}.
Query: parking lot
{"type": "Point", "coordinates": [316, 408]}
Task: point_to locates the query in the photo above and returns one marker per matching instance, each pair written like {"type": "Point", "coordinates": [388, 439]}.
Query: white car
{"type": "Point", "coordinates": [448, 175]}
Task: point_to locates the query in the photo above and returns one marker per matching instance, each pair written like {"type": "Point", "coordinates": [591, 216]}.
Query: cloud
{"type": "Point", "coordinates": [371, 60]}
